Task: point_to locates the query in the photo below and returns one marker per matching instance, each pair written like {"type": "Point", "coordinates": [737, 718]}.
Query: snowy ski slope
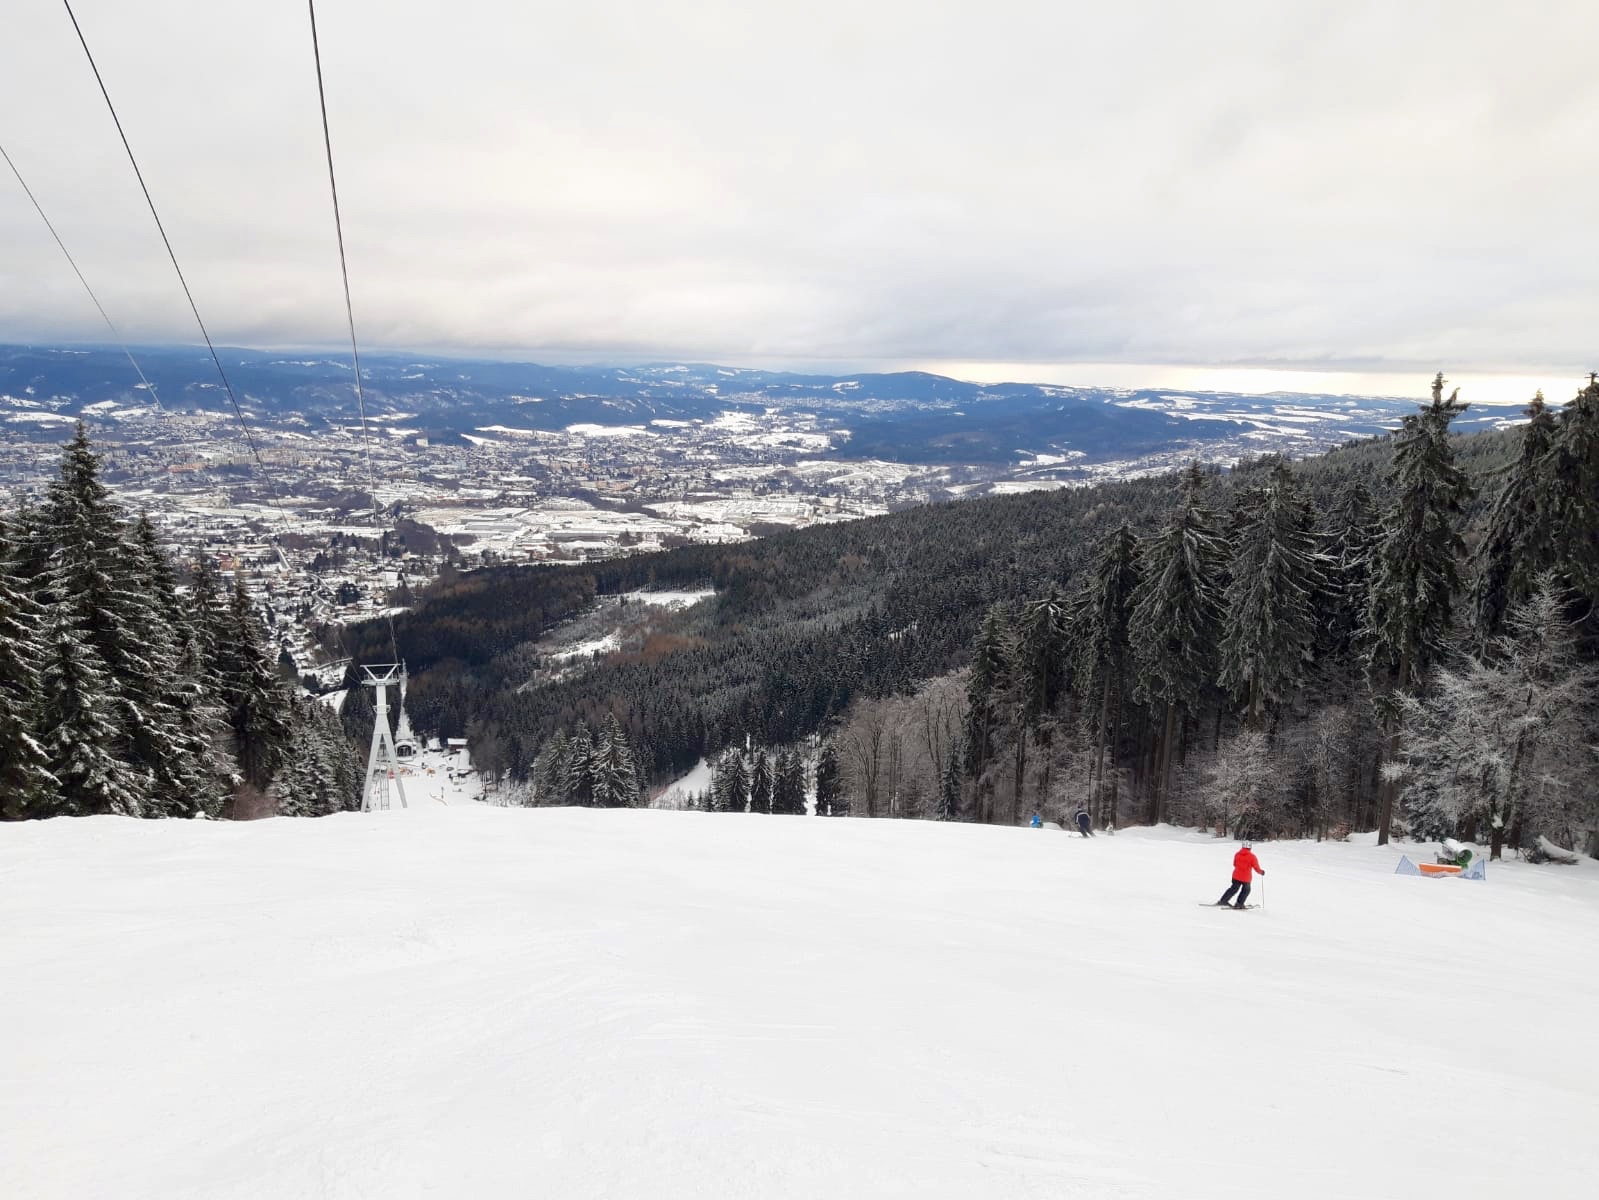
{"type": "Point", "coordinates": [479, 1002]}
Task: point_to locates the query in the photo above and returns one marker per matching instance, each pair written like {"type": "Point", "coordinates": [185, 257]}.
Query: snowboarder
{"type": "Point", "coordinates": [1245, 864]}
{"type": "Point", "coordinates": [1037, 822]}
{"type": "Point", "coordinates": [1085, 823]}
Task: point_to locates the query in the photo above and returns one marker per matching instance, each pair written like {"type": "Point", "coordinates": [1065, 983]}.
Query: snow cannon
{"type": "Point", "coordinates": [1454, 854]}
{"type": "Point", "coordinates": [1474, 870]}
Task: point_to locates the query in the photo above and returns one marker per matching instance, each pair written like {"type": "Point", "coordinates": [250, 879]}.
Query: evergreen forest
{"type": "Point", "coordinates": [124, 692]}
{"type": "Point", "coordinates": [1399, 635]}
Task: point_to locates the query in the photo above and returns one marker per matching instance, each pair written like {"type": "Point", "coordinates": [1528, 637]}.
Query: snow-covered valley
{"type": "Point", "coordinates": [482, 1002]}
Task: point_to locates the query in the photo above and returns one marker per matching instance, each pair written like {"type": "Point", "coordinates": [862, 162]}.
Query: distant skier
{"type": "Point", "coordinates": [1037, 822]}
{"type": "Point", "coordinates": [1085, 823]}
{"type": "Point", "coordinates": [1245, 864]}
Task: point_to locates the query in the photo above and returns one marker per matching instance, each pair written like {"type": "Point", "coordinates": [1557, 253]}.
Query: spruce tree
{"type": "Point", "coordinates": [830, 800]}
{"type": "Point", "coordinates": [761, 783]}
{"type": "Point", "coordinates": [738, 779]}
{"type": "Point", "coordinates": [256, 706]}
{"type": "Point", "coordinates": [178, 739]}
{"type": "Point", "coordinates": [1176, 611]}
{"type": "Point", "coordinates": [1350, 541]}
{"type": "Point", "coordinates": [25, 779]}
{"type": "Point", "coordinates": [549, 770]}
{"type": "Point", "coordinates": [295, 788]}
{"type": "Point", "coordinates": [1574, 483]}
{"type": "Point", "coordinates": [1042, 645]}
{"type": "Point", "coordinates": [358, 713]}
{"type": "Point", "coordinates": [615, 778]}
{"type": "Point", "coordinates": [1103, 652]}
{"type": "Point", "coordinates": [87, 588]}
{"type": "Point", "coordinates": [1417, 573]}
{"type": "Point", "coordinates": [730, 783]}
{"type": "Point", "coordinates": [343, 782]}
{"type": "Point", "coordinates": [788, 784]}
{"type": "Point", "coordinates": [207, 614]}
{"type": "Point", "coordinates": [1269, 620]}
{"type": "Point", "coordinates": [1518, 545]}
{"type": "Point", "coordinates": [949, 792]}
{"type": "Point", "coordinates": [115, 590]}
{"type": "Point", "coordinates": [31, 547]}
{"type": "Point", "coordinates": [577, 782]}
{"type": "Point", "coordinates": [1039, 681]}
{"type": "Point", "coordinates": [319, 773]}
{"type": "Point", "coordinates": [986, 687]}
{"type": "Point", "coordinates": [80, 731]}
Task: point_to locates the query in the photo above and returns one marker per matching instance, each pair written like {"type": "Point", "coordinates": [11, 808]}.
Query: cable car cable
{"type": "Point", "coordinates": [349, 308]}
{"type": "Point", "coordinates": [111, 325]}
{"type": "Point", "coordinates": [238, 411]}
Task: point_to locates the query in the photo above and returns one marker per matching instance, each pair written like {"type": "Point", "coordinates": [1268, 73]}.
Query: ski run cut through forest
{"type": "Point", "coordinates": [485, 1002]}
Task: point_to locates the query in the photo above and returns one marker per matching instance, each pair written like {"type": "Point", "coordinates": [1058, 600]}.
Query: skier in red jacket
{"type": "Point", "coordinates": [1245, 864]}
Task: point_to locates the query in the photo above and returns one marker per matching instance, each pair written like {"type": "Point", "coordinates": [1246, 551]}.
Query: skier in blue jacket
{"type": "Point", "coordinates": [1085, 824]}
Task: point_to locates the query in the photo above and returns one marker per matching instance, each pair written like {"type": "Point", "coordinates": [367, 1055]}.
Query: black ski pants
{"type": "Point", "coordinates": [1241, 886]}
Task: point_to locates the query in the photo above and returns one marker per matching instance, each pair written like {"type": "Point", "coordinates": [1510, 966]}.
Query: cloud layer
{"type": "Point", "coordinates": [1340, 186]}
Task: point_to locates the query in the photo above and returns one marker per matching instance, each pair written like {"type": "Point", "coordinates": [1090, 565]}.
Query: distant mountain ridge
{"type": "Point", "coordinates": [908, 416]}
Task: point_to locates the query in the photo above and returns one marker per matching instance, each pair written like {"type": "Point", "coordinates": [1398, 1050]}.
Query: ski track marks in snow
{"type": "Point", "coordinates": [482, 1002]}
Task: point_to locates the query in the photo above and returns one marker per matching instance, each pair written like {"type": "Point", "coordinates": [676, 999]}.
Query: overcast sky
{"type": "Point", "coordinates": [1176, 193]}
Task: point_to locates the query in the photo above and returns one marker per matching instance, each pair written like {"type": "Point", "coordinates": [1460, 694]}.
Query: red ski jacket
{"type": "Point", "coordinates": [1245, 864]}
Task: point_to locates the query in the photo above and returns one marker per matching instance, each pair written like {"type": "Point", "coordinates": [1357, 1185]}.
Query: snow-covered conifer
{"type": "Point", "coordinates": [1042, 645]}
{"type": "Point", "coordinates": [1350, 539]}
{"type": "Point", "coordinates": [79, 731]}
{"type": "Point", "coordinates": [615, 780]}
{"type": "Point", "coordinates": [761, 783]}
{"type": "Point", "coordinates": [1269, 622]}
{"type": "Point", "coordinates": [296, 785]}
{"type": "Point", "coordinates": [1102, 653]}
{"type": "Point", "coordinates": [1505, 738]}
{"type": "Point", "coordinates": [256, 704]}
{"type": "Point", "coordinates": [1417, 573]}
{"type": "Point", "coordinates": [986, 685]}
{"type": "Point", "coordinates": [549, 770]}
{"type": "Point", "coordinates": [344, 769]}
{"type": "Point", "coordinates": [788, 784]}
{"type": "Point", "coordinates": [830, 798]}
{"type": "Point", "coordinates": [176, 739]}
{"type": "Point", "coordinates": [1574, 475]}
{"type": "Point", "coordinates": [1176, 615]}
{"type": "Point", "coordinates": [577, 775]}
{"type": "Point", "coordinates": [730, 785]}
{"type": "Point", "coordinates": [1518, 544]}
{"type": "Point", "coordinates": [25, 779]}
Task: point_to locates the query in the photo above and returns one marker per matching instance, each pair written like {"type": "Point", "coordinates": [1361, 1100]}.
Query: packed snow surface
{"type": "Point", "coordinates": [479, 1002]}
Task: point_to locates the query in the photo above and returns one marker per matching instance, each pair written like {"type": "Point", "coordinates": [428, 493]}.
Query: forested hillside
{"type": "Point", "coordinates": [1398, 634]}
{"type": "Point", "coordinates": [1243, 649]}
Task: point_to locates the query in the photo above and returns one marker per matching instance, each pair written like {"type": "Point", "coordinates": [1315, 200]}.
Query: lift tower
{"type": "Point", "coordinates": [382, 763]}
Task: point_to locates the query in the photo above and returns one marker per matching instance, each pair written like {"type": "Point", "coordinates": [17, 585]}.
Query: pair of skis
{"type": "Point", "coordinates": [1213, 904]}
